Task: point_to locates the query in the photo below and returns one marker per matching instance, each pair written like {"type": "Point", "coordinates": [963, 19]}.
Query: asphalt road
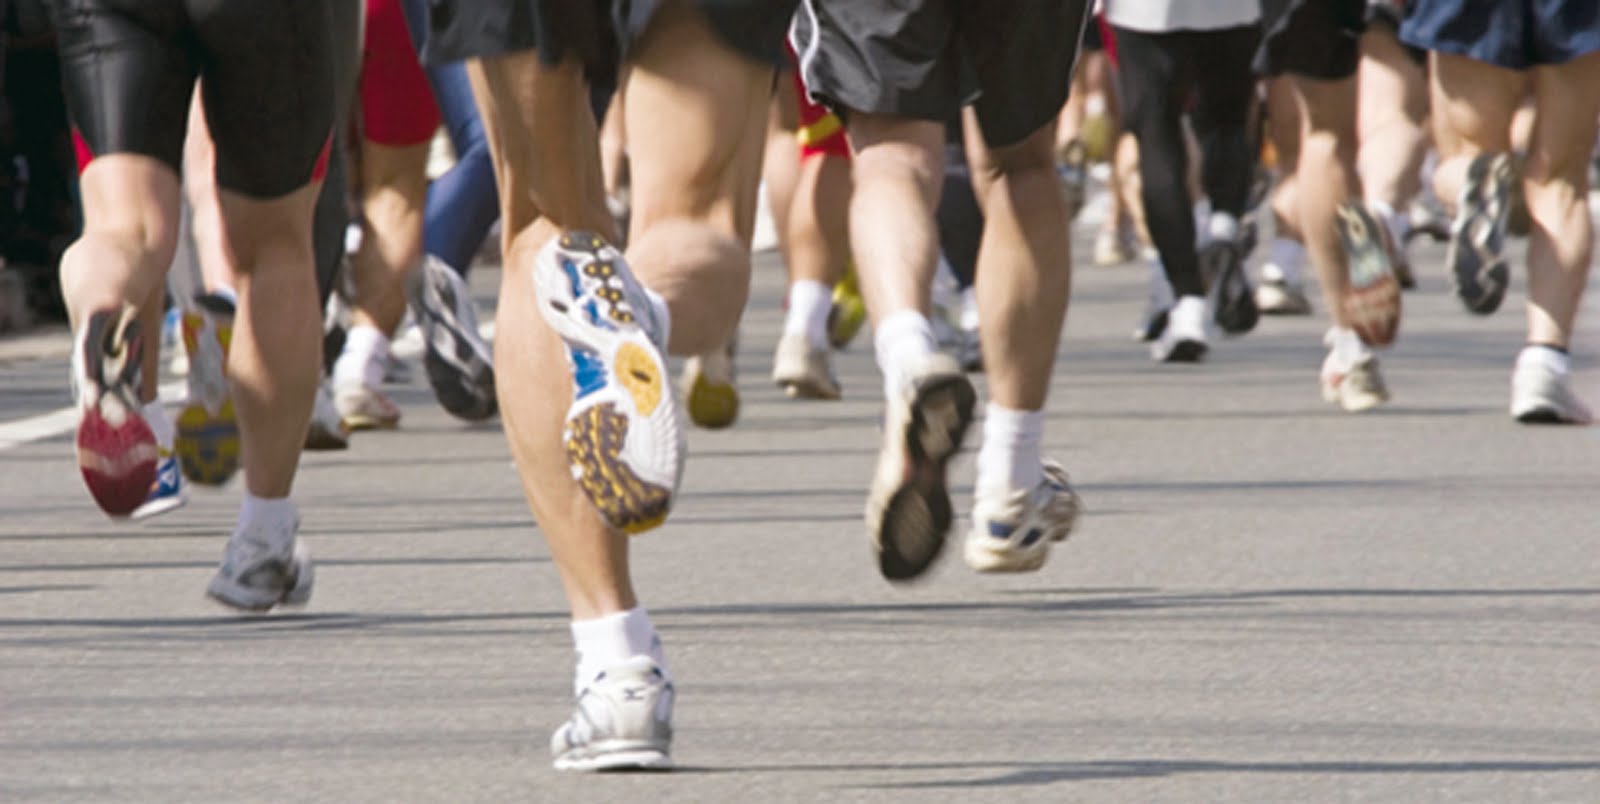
{"type": "Point", "coordinates": [1267, 600]}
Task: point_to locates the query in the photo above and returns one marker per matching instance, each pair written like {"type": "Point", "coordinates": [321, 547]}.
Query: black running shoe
{"type": "Point", "coordinates": [459, 364]}
{"type": "Point", "coordinates": [1232, 298]}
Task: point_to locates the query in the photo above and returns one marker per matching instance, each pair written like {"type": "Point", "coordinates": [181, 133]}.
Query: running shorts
{"type": "Point", "coordinates": [925, 59]}
{"type": "Point", "coordinates": [821, 132]}
{"type": "Point", "coordinates": [397, 105]}
{"type": "Point", "coordinates": [1514, 34]}
{"type": "Point", "coordinates": [599, 33]}
{"type": "Point", "coordinates": [1318, 39]}
{"type": "Point", "coordinates": [266, 69]}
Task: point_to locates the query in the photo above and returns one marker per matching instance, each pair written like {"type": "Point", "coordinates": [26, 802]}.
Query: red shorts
{"type": "Point", "coordinates": [397, 107]}
{"type": "Point", "coordinates": [820, 131]}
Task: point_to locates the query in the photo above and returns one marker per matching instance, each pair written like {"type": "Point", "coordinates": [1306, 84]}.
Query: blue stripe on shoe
{"type": "Point", "coordinates": [588, 372]}
{"type": "Point", "coordinates": [571, 271]}
{"type": "Point", "coordinates": [1000, 530]}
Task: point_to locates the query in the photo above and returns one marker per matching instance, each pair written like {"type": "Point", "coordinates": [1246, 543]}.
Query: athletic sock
{"type": "Point", "coordinates": [155, 415]}
{"type": "Point", "coordinates": [276, 518]}
{"type": "Point", "coordinates": [1222, 227]}
{"type": "Point", "coordinates": [1347, 347]}
{"type": "Point", "coordinates": [1286, 260]}
{"type": "Point", "coordinates": [366, 350]}
{"type": "Point", "coordinates": [1009, 458]}
{"type": "Point", "coordinates": [611, 639]}
{"type": "Point", "coordinates": [1553, 358]}
{"type": "Point", "coordinates": [809, 301]}
{"type": "Point", "coordinates": [663, 314]}
{"type": "Point", "coordinates": [903, 339]}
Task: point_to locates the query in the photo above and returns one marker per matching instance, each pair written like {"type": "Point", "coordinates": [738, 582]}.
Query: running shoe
{"type": "Point", "coordinates": [364, 408]}
{"type": "Point", "coordinates": [1013, 532]}
{"type": "Point", "coordinates": [623, 721]}
{"type": "Point", "coordinates": [1072, 166]}
{"type": "Point", "coordinates": [1183, 340]}
{"type": "Point", "coordinates": [262, 568]}
{"type": "Point", "coordinates": [1373, 303]}
{"type": "Point", "coordinates": [117, 452]}
{"type": "Point", "coordinates": [709, 390]}
{"type": "Point", "coordinates": [1541, 395]}
{"type": "Point", "coordinates": [803, 372]}
{"type": "Point", "coordinates": [1158, 302]}
{"type": "Point", "coordinates": [624, 431]}
{"type": "Point", "coordinates": [908, 508]}
{"type": "Point", "coordinates": [327, 430]}
{"type": "Point", "coordinates": [1354, 383]}
{"type": "Point", "coordinates": [848, 313]}
{"type": "Point", "coordinates": [459, 364]}
{"type": "Point", "coordinates": [166, 494]}
{"type": "Point", "coordinates": [1478, 234]}
{"type": "Point", "coordinates": [1278, 297]}
{"type": "Point", "coordinates": [207, 441]}
{"type": "Point", "coordinates": [1233, 301]}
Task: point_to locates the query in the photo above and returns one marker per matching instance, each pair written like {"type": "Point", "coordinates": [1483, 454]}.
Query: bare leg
{"type": "Point", "coordinates": [1472, 105]}
{"type": "Point", "coordinates": [1391, 117]}
{"type": "Point", "coordinates": [1561, 243]}
{"type": "Point", "coordinates": [394, 186]}
{"type": "Point", "coordinates": [1326, 178]}
{"type": "Point", "coordinates": [899, 164]}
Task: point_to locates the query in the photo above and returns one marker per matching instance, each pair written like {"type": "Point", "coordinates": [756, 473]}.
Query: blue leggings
{"type": "Point", "coordinates": [462, 204]}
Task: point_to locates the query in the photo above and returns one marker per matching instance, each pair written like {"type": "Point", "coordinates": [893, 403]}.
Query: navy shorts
{"type": "Point", "coordinates": [1514, 34]}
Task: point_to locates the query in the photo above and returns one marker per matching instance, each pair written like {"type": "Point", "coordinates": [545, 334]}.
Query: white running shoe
{"type": "Point", "coordinates": [1541, 395]}
{"type": "Point", "coordinates": [908, 507]}
{"type": "Point", "coordinates": [1183, 339]}
{"type": "Point", "coordinates": [327, 430]}
{"type": "Point", "coordinates": [1013, 532]}
{"type": "Point", "coordinates": [623, 721]}
{"type": "Point", "coordinates": [1278, 297]}
{"type": "Point", "coordinates": [1353, 381]}
{"type": "Point", "coordinates": [365, 408]}
{"type": "Point", "coordinates": [801, 370]}
{"type": "Point", "coordinates": [624, 432]}
{"type": "Point", "coordinates": [261, 569]}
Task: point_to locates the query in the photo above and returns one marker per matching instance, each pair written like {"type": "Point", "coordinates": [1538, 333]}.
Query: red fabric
{"type": "Point", "coordinates": [320, 172]}
{"type": "Point", "coordinates": [829, 139]}
{"type": "Point", "coordinates": [397, 107]}
{"type": "Point", "coordinates": [81, 150]}
{"type": "Point", "coordinates": [1108, 42]}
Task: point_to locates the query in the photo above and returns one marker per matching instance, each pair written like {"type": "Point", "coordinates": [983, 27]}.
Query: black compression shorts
{"type": "Point", "coordinates": [1317, 39]}
{"type": "Point", "coordinates": [267, 68]}
{"type": "Point", "coordinates": [926, 59]}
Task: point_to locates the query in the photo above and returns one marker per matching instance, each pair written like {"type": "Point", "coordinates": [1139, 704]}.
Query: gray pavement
{"type": "Point", "coordinates": [1268, 600]}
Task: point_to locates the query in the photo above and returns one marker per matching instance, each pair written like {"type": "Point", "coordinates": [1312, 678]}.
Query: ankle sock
{"type": "Point", "coordinates": [1010, 458]}
{"type": "Point", "coordinates": [809, 301]}
{"type": "Point", "coordinates": [366, 351]}
{"type": "Point", "coordinates": [273, 520]}
{"type": "Point", "coordinates": [611, 639]}
{"type": "Point", "coordinates": [1554, 358]}
{"type": "Point", "coordinates": [901, 340]}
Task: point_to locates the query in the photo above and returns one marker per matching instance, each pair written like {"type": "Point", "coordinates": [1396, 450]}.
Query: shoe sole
{"type": "Point", "coordinates": [917, 515]}
{"type": "Point", "coordinates": [207, 445]}
{"type": "Point", "coordinates": [1373, 303]}
{"type": "Point", "coordinates": [460, 370]}
{"type": "Point", "coordinates": [618, 761]}
{"type": "Point", "coordinates": [809, 389]}
{"type": "Point", "coordinates": [117, 453]}
{"type": "Point", "coordinates": [319, 439]}
{"type": "Point", "coordinates": [1477, 238]}
{"type": "Point", "coordinates": [1233, 300]}
{"type": "Point", "coordinates": [711, 405]}
{"type": "Point", "coordinates": [620, 384]}
{"type": "Point", "coordinates": [1186, 351]}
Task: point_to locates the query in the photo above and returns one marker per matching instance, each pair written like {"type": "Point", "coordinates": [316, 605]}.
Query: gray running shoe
{"type": "Point", "coordinates": [1540, 395]}
{"type": "Point", "coordinates": [802, 371]}
{"type": "Point", "coordinates": [1278, 297]}
{"type": "Point", "coordinates": [1478, 234]}
{"type": "Point", "coordinates": [623, 721]}
{"type": "Point", "coordinates": [459, 365]}
{"type": "Point", "coordinates": [262, 569]}
{"type": "Point", "coordinates": [1013, 532]}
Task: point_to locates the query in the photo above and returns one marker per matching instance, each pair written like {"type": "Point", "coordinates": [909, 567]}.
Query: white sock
{"type": "Point", "coordinates": [1286, 260]}
{"type": "Point", "coordinates": [272, 519]}
{"type": "Point", "coordinates": [366, 350]}
{"type": "Point", "coordinates": [609, 640]}
{"type": "Point", "coordinates": [1347, 347]}
{"type": "Point", "coordinates": [155, 415]}
{"type": "Point", "coordinates": [663, 315]}
{"type": "Point", "coordinates": [1222, 227]}
{"type": "Point", "coordinates": [1009, 458]}
{"type": "Point", "coordinates": [1556, 361]}
{"type": "Point", "coordinates": [809, 301]}
{"type": "Point", "coordinates": [1398, 223]}
{"type": "Point", "coordinates": [901, 340]}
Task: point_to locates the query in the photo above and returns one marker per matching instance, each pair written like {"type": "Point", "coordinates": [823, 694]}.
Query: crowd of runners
{"type": "Point", "coordinates": [923, 164]}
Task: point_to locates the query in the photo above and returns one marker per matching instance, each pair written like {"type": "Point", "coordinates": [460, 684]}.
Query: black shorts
{"type": "Point", "coordinates": [1514, 34]}
{"type": "Point", "coordinates": [266, 68]}
{"type": "Point", "coordinates": [599, 33]}
{"type": "Point", "coordinates": [1318, 39]}
{"type": "Point", "coordinates": [927, 58]}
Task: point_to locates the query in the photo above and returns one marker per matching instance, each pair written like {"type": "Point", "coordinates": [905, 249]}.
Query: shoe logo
{"type": "Point", "coordinates": [633, 693]}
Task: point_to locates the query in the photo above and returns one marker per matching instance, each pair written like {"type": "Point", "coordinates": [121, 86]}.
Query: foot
{"type": "Point", "coordinates": [1278, 297]}
{"type": "Point", "coordinates": [117, 452]}
{"type": "Point", "coordinates": [1350, 377]}
{"type": "Point", "coordinates": [709, 390]}
{"type": "Point", "coordinates": [803, 371]}
{"type": "Point", "coordinates": [1012, 532]}
{"type": "Point", "coordinates": [327, 430]}
{"type": "Point", "coordinates": [1183, 340]}
{"type": "Point", "coordinates": [1542, 395]}
{"type": "Point", "coordinates": [624, 431]}
{"type": "Point", "coordinates": [908, 508]}
{"type": "Point", "coordinates": [848, 313]}
{"type": "Point", "coordinates": [1373, 303]}
{"type": "Point", "coordinates": [459, 364]}
{"type": "Point", "coordinates": [1233, 301]}
{"type": "Point", "coordinates": [1478, 235]}
{"type": "Point", "coordinates": [207, 441]}
{"type": "Point", "coordinates": [263, 567]}
{"type": "Point", "coordinates": [623, 721]}
{"type": "Point", "coordinates": [1113, 246]}
{"type": "Point", "coordinates": [365, 408]}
